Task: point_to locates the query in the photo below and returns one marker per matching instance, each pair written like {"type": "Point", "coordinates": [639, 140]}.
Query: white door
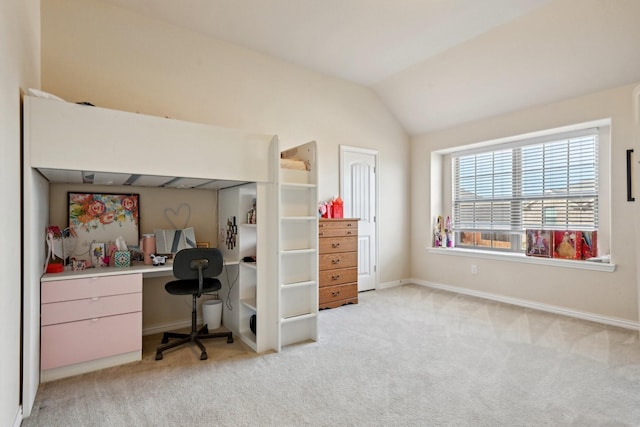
{"type": "Point", "coordinates": [358, 188]}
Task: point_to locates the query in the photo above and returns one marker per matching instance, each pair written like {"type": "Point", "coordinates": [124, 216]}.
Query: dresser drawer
{"type": "Point", "coordinates": [335, 293]}
{"type": "Point", "coordinates": [75, 342]}
{"type": "Point", "coordinates": [338, 223]}
{"type": "Point", "coordinates": [69, 311]}
{"type": "Point", "coordinates": [338, 276]}
{"type": "Point", "coordinates": [336, 232]}
{"type": "Point", "coordinates": [91, 287]}
{"type": "Point", "coordinates": [338, 244]}
{"type": "Point", "coordinates": [338, 260]}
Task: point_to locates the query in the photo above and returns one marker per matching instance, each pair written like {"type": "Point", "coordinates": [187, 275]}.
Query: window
{"type": "Point", "coordinates": [546, 183]}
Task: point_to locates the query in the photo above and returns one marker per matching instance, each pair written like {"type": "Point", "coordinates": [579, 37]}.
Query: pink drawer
{"type": "Point", "coordinates": [90, 287]}
{"type": "Point", "coordinates": [81, 309]}
{"type": "Point", "coordinates": [75, 342]}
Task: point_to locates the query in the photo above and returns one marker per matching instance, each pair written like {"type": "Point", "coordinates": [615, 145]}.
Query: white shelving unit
{"type": "Point", "coordinates": [233, 204]}
{"type": "Point", "coordinates": [298, 249]}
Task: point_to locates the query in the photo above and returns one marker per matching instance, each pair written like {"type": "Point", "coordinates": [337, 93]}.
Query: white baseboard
{"type": "Point", "coordinates": [164, 327]}
{"type": "Point", "coordinates": [387, 285]}
{"type": "Point", "coordinates": [607, 320]}
{"type": "Point", "coordinates": [18, 421]}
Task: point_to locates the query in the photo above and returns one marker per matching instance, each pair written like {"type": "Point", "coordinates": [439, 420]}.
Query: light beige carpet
{"type": "Point", "coordinates": [407, 356]}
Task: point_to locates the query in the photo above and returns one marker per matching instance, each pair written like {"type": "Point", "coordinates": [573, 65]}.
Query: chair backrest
{"type": "Point", "coordinates": [185, 268]}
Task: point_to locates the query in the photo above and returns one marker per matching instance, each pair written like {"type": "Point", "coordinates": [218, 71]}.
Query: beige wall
{"type": "Point", "coordinates": [605, 294]}
{"type": "Point", "coordinates": [19, 70]}
{"type": "Point", "coordinates": [116, 59]}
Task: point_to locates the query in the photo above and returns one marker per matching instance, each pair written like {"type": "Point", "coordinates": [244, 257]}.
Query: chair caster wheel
{"type": "Point", "coordinates": [203, 356]}
{"type": "Point", "coordinates": [205, 330]}
{"type": "Point", "coordinates": [158, 356]}
{"type": "Point", "coordinates": [165, 339]}
{"type": "Point", "coordinates": [229, 340]}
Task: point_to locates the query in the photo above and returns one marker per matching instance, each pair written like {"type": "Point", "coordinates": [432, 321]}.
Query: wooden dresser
{"type": "Point", "coordinates": [338, 262]}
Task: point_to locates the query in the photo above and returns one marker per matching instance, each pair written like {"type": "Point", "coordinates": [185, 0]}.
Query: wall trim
{"type": "Point", "coordinates": [18, 421]}
{"type": "Point", "coordinates": [592, 317]}
{"type": "Point", "coordinates": [393, 284]}
{"type": "Point", "coordinates": [169, 326]}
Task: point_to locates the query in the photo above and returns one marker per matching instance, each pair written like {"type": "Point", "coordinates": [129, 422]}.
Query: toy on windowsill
{"type": "Point", "coordinates": [438, 233]}
{"type": "Point", "coordinates": [448, 237]}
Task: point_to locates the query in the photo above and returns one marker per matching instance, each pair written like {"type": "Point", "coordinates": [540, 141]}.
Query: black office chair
{"type": "Point", "coordinates": [196, 270]}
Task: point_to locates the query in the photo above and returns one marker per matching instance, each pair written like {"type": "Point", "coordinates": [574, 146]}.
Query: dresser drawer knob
{"type": "Point", "coordinates": [321, 233]}
{"type": "Point", "coordinates": [335, 277]}
{"type": "Point", "coordinates": [349, 232]}
{"type": "Point", "coordinates": [321, 225]}
{"type": "Point", "coordinates": [335, 293]}
{"type": "Point", "coordinates": [335, 245]}
{"type": "Point", "coordinates": [335, 261]}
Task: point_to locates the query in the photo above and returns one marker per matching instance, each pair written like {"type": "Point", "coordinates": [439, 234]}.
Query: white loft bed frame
{"type": "Point", "coordinates": [61, 140]}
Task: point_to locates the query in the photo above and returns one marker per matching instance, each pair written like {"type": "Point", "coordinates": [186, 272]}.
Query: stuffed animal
{"type": "Point", "coordinates": [157, 259]}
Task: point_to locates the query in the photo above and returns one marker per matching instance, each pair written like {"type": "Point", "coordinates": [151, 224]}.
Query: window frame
{"type": "Point", "coordinates": [441, 193]}
{"type": "Point", "coordinates": [500, 172]}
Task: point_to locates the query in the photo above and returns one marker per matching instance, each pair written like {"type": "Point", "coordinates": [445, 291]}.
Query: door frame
{"type": "Point", "coordinates": [349, 149]}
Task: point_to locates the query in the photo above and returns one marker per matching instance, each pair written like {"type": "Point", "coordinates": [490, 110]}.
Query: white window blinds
{"type": "Point", "coordinates": [535, 184]}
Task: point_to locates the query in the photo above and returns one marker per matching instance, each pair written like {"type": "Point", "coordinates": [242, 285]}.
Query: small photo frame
{"type": "Point", "coordinates": [202, 244]}
{"type": "Point", "coordinates": [97, 254]}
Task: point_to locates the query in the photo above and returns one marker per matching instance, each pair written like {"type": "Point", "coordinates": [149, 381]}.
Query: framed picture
{"type": "Point", "coordinates": [202, 244]}
{"type": "Point", "coordinates": [539, 243]}
{"type": "Point", "coordinates": [103, 217]}
{"type": "Point", "coordinates": [97, 254]}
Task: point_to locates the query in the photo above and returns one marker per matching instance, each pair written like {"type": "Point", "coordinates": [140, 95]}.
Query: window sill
{"type": "Point", "coordinates": [513, 257]}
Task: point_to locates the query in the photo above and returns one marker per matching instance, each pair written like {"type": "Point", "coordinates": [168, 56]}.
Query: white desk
{"type": "Point", "coordinates": [92, 319]}
{"type": "Point", "coordinates": [146, 270]}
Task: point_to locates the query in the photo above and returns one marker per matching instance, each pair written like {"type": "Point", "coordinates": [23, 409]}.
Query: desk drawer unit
{"type": "Point", "coordinates": [338, 262]}
{"type": "Point", "coordinates": [90, 318]}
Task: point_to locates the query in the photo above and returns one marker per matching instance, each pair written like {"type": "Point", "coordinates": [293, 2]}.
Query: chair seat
{"type": "Point", "coordinates": [190, 287]}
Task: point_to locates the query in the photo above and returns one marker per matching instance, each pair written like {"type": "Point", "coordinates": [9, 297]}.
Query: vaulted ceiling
{"type": "Point", "coordinates": [434, 63]}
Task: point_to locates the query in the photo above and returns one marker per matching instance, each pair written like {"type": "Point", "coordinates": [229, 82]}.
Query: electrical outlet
{"type": "Point", "coordinates": [474, 269]}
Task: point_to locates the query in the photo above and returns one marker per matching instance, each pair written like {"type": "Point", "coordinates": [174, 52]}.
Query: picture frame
{"type": "Point", "coordinates": [539, 243]}
{"type": "Point", "coordinates": [97, 253]}
{"type": "Point", "coordinates": [202, 244]}
{"type": "Point", "coordinates": [101, 218]}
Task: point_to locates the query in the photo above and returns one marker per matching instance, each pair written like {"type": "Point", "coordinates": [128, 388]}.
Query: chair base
{"type": "Point", "coordinates": [193, 337]}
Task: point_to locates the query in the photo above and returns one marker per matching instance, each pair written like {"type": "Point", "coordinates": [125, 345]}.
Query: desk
{"type": "Point", "coordinates": [92, 319]}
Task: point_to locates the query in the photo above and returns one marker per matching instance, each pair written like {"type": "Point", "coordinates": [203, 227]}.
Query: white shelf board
{"type": "Point", "coordinates": [297, 317]}
{"type": "Point", "coordinates": [249, 303]}
{"type": "Point", "coordinates": [298, 284]}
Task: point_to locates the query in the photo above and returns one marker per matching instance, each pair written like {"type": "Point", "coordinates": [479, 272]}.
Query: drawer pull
{"type": "Point", "coordinates": [335, 245]}
{"type": "Point", "coordinates": [335, 293]}
{"type": "Point", "coordinates": [95, 298]}
{"type": "Point", "coordinates": [349, 224]}
{"type": "Point", "coordinates": [335, 277]}
{"type": "Point", "coordinates": [321, 225]}
{"type": "Point", "coordinates": [349, 232]}
{"type": "Point", "coordinates": [321, 233]}
{"type": "Point", "coordinates": [335, 261]}
{"type": "Point", "coordinates": [95, 319]}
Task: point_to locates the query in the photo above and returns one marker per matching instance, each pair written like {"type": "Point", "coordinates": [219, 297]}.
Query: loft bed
{"type": "Point", "coordinates": [71, 142]}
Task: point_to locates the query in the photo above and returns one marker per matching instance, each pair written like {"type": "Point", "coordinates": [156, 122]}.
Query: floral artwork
{"type": "Point", "coordinates": [100, 217]}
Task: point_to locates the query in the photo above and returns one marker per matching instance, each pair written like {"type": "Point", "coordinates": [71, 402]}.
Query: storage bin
{"type": "Point", "coordinates": [212, 313]}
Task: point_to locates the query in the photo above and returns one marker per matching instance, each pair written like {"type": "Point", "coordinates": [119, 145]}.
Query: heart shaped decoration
{"type": "Point", "coordinates": [180, 216]}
